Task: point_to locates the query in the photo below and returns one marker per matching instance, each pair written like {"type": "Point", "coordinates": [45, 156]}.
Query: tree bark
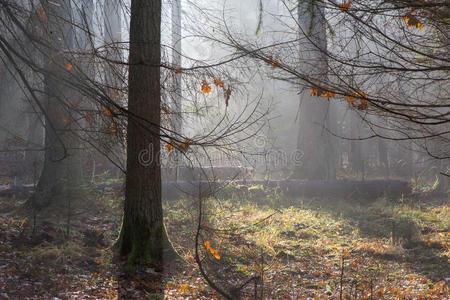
{"type": "Point", "coordinates": [143, 237]}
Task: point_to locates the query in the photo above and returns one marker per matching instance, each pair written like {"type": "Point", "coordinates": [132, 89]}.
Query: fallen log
{"type": "Point", "coordinates": [16, 189]}
{"type": "Point", "coordinates": [351, 189]}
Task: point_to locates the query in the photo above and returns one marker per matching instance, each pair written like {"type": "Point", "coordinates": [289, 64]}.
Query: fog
{"type": "Point", "coordinates": [266, 149]}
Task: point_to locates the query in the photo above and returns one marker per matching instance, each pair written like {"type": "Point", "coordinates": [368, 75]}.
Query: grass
{"type": "Point", "coordinates": [396, 249]}
{"type": "Point", "coordinates": [283, 249]}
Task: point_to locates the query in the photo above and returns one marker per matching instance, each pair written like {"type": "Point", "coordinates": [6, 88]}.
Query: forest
{"type": "Point", "coordinates": [225, 149]}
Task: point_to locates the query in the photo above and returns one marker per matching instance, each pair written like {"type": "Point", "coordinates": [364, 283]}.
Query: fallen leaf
{"type": "Point", "coordinates": [207, 245]}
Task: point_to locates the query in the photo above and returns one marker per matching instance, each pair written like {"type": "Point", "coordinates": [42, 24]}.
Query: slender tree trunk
{"type": "Point", "coordinates": [113, 76]}
{"type": "Point", "coordinates": [444, 179]}
{"type": "Point", "coordinates": [356, 157]}
{"type": "Point", "coordinates": [333, 149]}
{"type": "Point", "coordinates": [176, 61]}
{"type": "Point", "coordinates": [409, 159]}
{"type": "Point", "coordinates": [112, 36]}
{"type": "Point", "coordinates": [313, 138]}
{"type": "Point", "coordinates": [143, 237]}
{"type": "Point", "coordinates": [383, 157]}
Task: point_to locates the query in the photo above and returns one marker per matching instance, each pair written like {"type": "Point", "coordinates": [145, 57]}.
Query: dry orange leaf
{"type": "Point", "coordinates": [69, 66]}
{"type": "Point", "coordinates": [218, 82]}
{"type": "Point", "coordinates": [184, 145]}
{"type": "Point", "coordinates": [273, 62]}
{"type": "Point", "coordinates": [361, 95]}
{"type": "Point", "coordinates": [177, 71]}
{"type": "Point", "coordinates": [412, 21]}
{"type": "Point", "coordinates": [112, 127]}
{"type": "Point", "coordinates": [165, 109]}
{"type": "Point", "coordinates": [216, 254]}
{"type": "Point", "coordinates": [276, 64]}
{"type": "Point", "coordinates": [207, 245]}
{"type": "Point", "coordinates": [363, 104]}
{"type": "Point", "coordinates": [344, 6]}
{"type": "Point", "coordinates": [88, 117]}
{"type": "Point", "coordinates": [326, 96]}
{"type": "Point", "coordinates": [107, 112]}
{"type": "Point", "coordinates": [42, 14]}
{"type": "Point", "coordinates": [169, 147]}
{"type": "Point", "coordinates": [205, 87]}
{"type": "Point", "coordinates": [351, 100]}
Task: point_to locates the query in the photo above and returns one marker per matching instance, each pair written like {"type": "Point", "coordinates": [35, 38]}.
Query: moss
{"type": "Point", "coordinates": [141, 248]}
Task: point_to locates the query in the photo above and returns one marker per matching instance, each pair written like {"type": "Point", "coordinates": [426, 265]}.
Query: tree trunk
{"type": "Point", "coordinates": [35, 143]}
{"type": "Point", "coordinates": [356, 157]}
{"type": "Point", "coordinates": [383, 157]}
{"type": "Point", "coordinates": [143, 237]}
{"type": "Point", "coordinates": [176, 61]}
{"type": "Point", "coordinates": [112, 36]}
{"type": "Point", "coordinates": [113, 76]}
{"type": "Point", "coordinates": [62, 172]}
{"type": "Point", "coordinates": [313, 138]}
{"type": "Point", "coordinates": [444, 179]}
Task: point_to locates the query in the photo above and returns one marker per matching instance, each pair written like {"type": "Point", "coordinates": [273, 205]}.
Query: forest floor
{"type": "Point", "coordinates": [270, 249]}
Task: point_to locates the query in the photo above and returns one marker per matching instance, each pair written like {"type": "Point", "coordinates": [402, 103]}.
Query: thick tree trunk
{"type": "Point", "coordinates": [35, 143]}
{"type": "Point", "coordinates": [313, 138]}
{"type": "Point", "coordinates": [62, 173]}
{"type": "Point", "coordinates": [143, 237]}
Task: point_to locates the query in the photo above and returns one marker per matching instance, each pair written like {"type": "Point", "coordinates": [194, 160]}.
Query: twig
{"type": "Point", "coordinates": [197, 258]}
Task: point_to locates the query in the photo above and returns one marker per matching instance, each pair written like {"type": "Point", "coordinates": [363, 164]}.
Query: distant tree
{"type": "Point", "coordinates": [177, 80]}
{"type": "Point", "coordinates": [313, 139]}
{"type": "Point", "coordinates": [62, 170]}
